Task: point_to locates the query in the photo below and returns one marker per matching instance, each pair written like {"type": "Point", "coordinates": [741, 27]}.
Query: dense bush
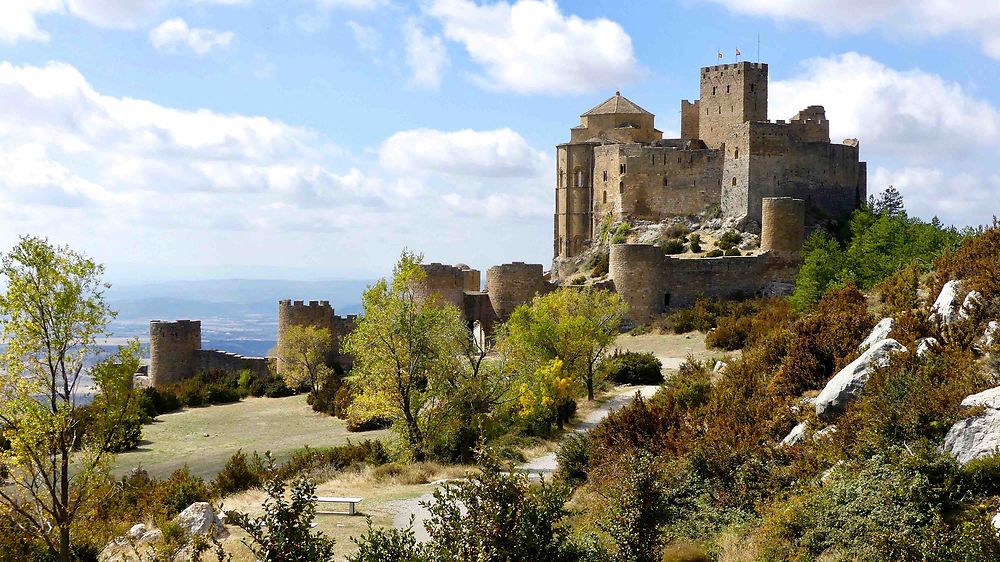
{"type": "Point", "coordinates": [673, 246]}
{"type": "Point", "coordinates": [728, 240]}
{"type": "Point", "coordinates": [240, 473]}
{"type": "Point", "coordinates": [676, 230]}
{"type": "Point", "coordinates": [123, 435]}
{"type": "Point", "coordinates": [747, 322]}
{"type": "Point", "coordinates": [369, 452]}
{"type": "Point", "coordinates": [630, 367]}
{"type": "Point", "coordinates": [982, 476]}
{"type": "Point", "coordinates": [733, 252]}
{"type": "Point", "coordinates": [715, 253]}
{"type": "Point", "coordinates": [695, 243]}
{"type": "Point", "coordinates": [599, 263]}
{"type": "Point", "coordinates": [180, 490]}
{"type": "Point", "coordinates": [573, 456]}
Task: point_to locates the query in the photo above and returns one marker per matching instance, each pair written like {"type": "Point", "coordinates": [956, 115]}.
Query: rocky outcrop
{"type": "Point", "coordinates": [795, 436]}
{"type": "Point", "coordinates": [879, 332]}
{"type": "Point", "coordinates": [197, 519]}
{"type": "Point", "coordinates": [975, 437]}
{"type": "Point", "coordinates": [945, 310]}
{"type": "Point", "coordinates": [926, 345]}
{"type": "Point", "coordinates": [988, 398]}
{"type": "Point", "coordinates": [850, 381]}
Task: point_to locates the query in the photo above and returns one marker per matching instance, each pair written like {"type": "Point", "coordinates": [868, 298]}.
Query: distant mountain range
{"type": "Point", "coordinates": [238, 315]}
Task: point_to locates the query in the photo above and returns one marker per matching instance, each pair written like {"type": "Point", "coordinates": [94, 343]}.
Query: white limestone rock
{"type": "Point", "coordinates": [200, 519]}
{"type": "Point", "coordinates": [945, 308]}
{"type": "Point", "coordinates": [137, 531]}
{"type": "Point", "coordinates": [151, 537]}
{"type": "Point", "coordinates": [972, 301]}
{"type": "Point", "coordinates": [850, 381]}
{"type": "Point", "coordinates": [825, 432]}
{"type": "Point", "coordinates": [989, 336]}
{"type": "Point", "coordinates": [989, 398]}
{"type": "Point", "coordinates": [926, 345]}
{"type": "Point", "coordinates": [975, 437]}
{"type": "Point", "coordinates": [719, 366]}
{"type": "Point", "coordinates": [879, 332]}
{"type": "Point", "coordinates": [996, 521]}
{"type": "Point", "coordinates": [796, 435]}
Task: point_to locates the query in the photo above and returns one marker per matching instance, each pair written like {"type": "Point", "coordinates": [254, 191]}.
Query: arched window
{"type": "Point", "coordinates": [734, 180]}
{"type": "Point", "coordinates": [579, 178]}
{"type": "Point", "coordinates": [736, 152]}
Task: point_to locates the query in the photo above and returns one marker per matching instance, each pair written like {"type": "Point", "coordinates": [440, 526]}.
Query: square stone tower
{"type": "Point", "coordinates": [731, 94]}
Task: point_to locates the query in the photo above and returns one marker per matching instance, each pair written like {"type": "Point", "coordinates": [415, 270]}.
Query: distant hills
{"type": "Point", "coordinates": [238, 315]}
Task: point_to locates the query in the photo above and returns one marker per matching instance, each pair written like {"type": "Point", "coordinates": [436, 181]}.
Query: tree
{"type": "Point", "coordinates": [52, 315]}
{"type": "Point", "coordinates": [304, 354]}
{"type": "Point", "coordinates": [403, 349]}
{"type": "Point", "coordinates": [575, 326]}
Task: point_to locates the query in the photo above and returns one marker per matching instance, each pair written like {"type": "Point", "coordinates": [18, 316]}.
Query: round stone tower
{"type": "Point", "coordinates": [513, 284]}
{"type": "Point", "coordinates": [318, 314]}
{"type": "Point", "coordinates": [446, 281]}
{"type": "Point", "coordinates": [782, 225]}
{"type": "Point", "coordinates": [173, 348]}
{"type": "Point", "coordinates": [636, 270]}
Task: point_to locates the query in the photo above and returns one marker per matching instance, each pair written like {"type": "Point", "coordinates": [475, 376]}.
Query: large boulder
{"type": "Point", "coordinates": [945, 310]}
{"type": "Point", "coordinates": [200, 519]}
{"type": "Point", "coordinates": [975, 437]}
{"type": "Point", "coordinates": [972, 301]}
{"type": "Point", "coordinates": [988, 398]}
{"type": "Point", "coordinates": [879, 332]}
{"type": "Point", "coordinates": [851, 380]}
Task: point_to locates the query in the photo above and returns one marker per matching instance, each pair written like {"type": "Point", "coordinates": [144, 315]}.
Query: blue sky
{"type": "Point", "coordinates": [317, 138]}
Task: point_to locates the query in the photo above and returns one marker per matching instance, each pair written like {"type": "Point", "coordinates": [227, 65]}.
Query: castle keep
{"type": "Point", "coordinates": [618, 167]}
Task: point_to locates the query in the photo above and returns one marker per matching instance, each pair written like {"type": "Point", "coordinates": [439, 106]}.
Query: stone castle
{"type": "Point", "coordinates": [763, 177]}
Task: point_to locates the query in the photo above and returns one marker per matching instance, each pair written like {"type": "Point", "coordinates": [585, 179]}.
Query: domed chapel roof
{"type": "Point", "coordinates": [616, 104]}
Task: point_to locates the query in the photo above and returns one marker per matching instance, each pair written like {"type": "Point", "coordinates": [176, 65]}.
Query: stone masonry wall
{"type": "Point", "coordinates": [731, 94]}
{"type": "Point", "coordinates": [513, 284]}
{"type": "Point", "coordinates": [172, 350]}
{"type": "Point", "coordinates": [208, 360]}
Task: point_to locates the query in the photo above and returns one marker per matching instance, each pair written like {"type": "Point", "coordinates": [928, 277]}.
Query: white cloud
{"type": "Point", "coordinates": [175, 33]}
{"type": "Point", "coordinates": [17, 19]}
{"type": "Point", "coordinates": [130, 180]}
{"type": "Point", "coordinates": [905, 114]}
{"type": "Point", "coordinates": [365, 36]}
{"type": "Point", "coordinates": [499, 153]}
{"type": "Point", "coordinates": [928, 136]}
{"type": "Point", "coordinates": [920, 19]}
{"type": "Point", "coordinates": [350, 4]}
{"type": "Point", "coordinates": [426, 56]}
{"type": "Point", "coordinates": [125, 14]}
{"type": "Point", "coordinates": [530, 46]}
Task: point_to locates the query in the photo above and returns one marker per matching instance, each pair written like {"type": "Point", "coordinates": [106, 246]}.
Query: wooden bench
{"type": "Point", "coordinates": [351, 503]}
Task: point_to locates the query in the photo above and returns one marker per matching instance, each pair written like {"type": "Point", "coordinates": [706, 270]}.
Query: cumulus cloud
{"type": "Point", "coordinates": [499, 153]}
{"type": "Point", "coordinates": [530, 46]}
{"type": "Point", "coordinates": [174, 34]}
{"type": "Point", "coordinates": [979, 19]}
{"type": "Point", "coordinates": [113, 175]}
{"type": "Point", "coordinates": [927, 136]}
{"type": "Point", "coordinates": [426, 56]}
{"type": "Point", "coordinates": [18, 23]}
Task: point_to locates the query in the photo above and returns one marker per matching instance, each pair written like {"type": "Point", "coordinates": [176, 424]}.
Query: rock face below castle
{"type": "Point", "coordinates": [618, 167]}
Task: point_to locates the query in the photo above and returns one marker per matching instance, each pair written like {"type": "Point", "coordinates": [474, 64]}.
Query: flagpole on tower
{"type": "Point", "coordinates": [758, 47]}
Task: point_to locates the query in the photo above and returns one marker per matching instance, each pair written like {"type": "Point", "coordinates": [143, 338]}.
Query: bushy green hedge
{"type": "Point", "coordinates": [629, 367]}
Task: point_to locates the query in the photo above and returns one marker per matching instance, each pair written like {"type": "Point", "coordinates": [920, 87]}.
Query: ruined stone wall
{"type": "Point", "coordinates": [208, 360]}
{"type": "Point", "coordinates": [513, 284]}
{"type": "Point", "coordinates": [479, 309]}
{"type": "Point", "coordinates": [172, 350]}
{"type": "Point", "coordinates": [731, 94]}
{"type": "Point", "coordinates": [447, 282]}
{"type": "Point", "coordinates": [689, 119]}
{"type": "Point", "coordinates": [472, 279]}
{"type": "Point", "coordinates": [574, 189]}
{"type": "Point", "coordinates": [652, 182]}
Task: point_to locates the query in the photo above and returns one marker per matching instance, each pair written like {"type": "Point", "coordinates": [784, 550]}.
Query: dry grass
{"type": "Point", "coordinates": [672, 349]}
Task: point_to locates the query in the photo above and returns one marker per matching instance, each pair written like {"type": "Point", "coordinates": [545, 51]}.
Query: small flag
{"type": "Point", "coordinates": [720, 55]}
{"type": "Point", "coordinates": [738, 53]}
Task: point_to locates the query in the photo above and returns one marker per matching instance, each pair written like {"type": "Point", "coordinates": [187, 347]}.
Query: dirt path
{"type": "Point", "coordinates": [410, 509]}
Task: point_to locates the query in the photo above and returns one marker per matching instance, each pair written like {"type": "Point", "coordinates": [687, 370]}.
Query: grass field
{"type": "Point", "coordinates": [204, 438]}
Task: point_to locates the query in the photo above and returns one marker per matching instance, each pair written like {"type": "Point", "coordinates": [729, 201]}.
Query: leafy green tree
{"type": "Point", "coordinates": [304, 353]}
{"type": "Point", "coordinates": [575, 326]}
{"type": "Point", "coordinates": [403, 350]}
{"type": "Point", "coordinates": [52, 316]}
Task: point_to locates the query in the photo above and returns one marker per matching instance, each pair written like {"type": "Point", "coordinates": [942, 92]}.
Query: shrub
{"type": "Point", "coordinates": [368, 452]}
{"type": "Point", "coordinates": [747, 322]}
{"type": "Point", "coordinates": [676, 230]}
{"type": "Point", "coordinates": [630, 367]}
{"type": "Point", "coordinates": [982, 476]}
{"type": "Point", "coordinates": [715, 254]}
{"type": "Point", "coordinates": [673, 246]}
{"type": "Point", "coordinates": [573, 456]}
{"type": "Point", "coordinates": [620, 235]}
{"type": "Point", "coordinates": [692, 385]}
{"type": "Point", "coordinates": [284, 531]}
{"type": "Point", "coordinates": [599, 264]}
{"type": "Point", "coordinates": [579, 280]}
{"type": "Point", "coordinates": [637, 511]}
{"type": "Point", "coordinates": [728, 240]}
{"type": "Point", "coordinates": [733, 252]}
{"type": "Point", "coordinates": [240, 473]}
{"type": "Point", "coordinates": [378, 544]}
{"type": "Point", "coordinates": [695, 243]}
{"type": "Point", "coordinates": [700, 317]}
{"type": "Point", "coordinates": [180, 490]}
